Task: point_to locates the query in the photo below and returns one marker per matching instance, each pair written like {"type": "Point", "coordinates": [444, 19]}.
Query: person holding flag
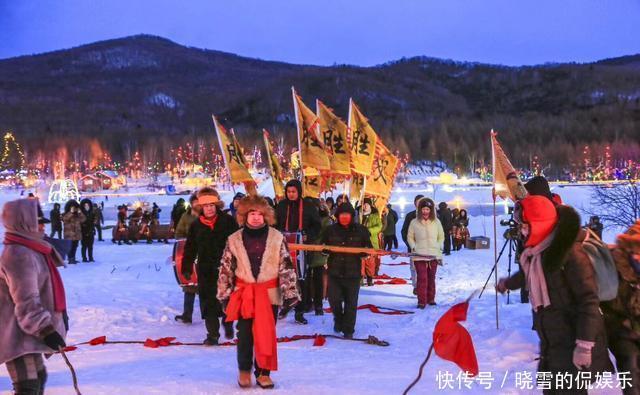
{"type": "Point", "coordinates": [562, 291]}
{"type": "Point", "coordinates": [299, 220]}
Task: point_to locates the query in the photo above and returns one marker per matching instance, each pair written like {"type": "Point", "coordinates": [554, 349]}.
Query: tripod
{"type": "Point", "coordinates": [511, 244]}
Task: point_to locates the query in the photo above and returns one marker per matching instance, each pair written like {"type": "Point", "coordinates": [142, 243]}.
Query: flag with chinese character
{"type": "Point", "coordinates": [274, 166]}
{"type": "Point", "coordinates": [363, 141]}
{"type": "Point", "coordinates": [312, 150]}
{"type": "Point", "coordinates": [356, 187]}
{"type": "Point", "coordinates": [452, 342]}
{"type": "Point", "coordinates": [506, 182]}
{"type": "Point", "coordinates": [335, 136]}
{"type": "Point", "coordinates": [234, 158]}
{"type": "Point", "coordinates": [312, 183]}
{"type": "Point", "coordinates": [385, 164]}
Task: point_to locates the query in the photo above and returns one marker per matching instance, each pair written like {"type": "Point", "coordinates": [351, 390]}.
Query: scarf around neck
{"type": "Point", "coordinates": [531, 261]}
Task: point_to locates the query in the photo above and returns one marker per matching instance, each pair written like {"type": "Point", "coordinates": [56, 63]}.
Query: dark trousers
{"type": "Point", "coordinates": [343, 299]}
{"type": "Point", "coordinates": [189, 301]}
{"type": "Point", "coordinates": [627, 353]}
{"type": "Point", "coordinates": [99, 231]}
{"type": "Point", "coordinates": [210, 308]}
{"type": "Point", "coordinates": [446, 248]}
{"type": "Point", "coordinates": [54, 231]}
{"type": "Point", "coordinates": [390, 242]}
{"type": "Point", "coordinates": [245, 345]}
{"type": "Point", "coordinates": [316, 285]}
{"type": "Point", "coordinates": [426, 273]}
{"type": "Point", "coordinates": [304, 303]}
{"type": "Point", "coordinates": [72, 251]}
{"type": "Point", "coordinates": [87, 247]}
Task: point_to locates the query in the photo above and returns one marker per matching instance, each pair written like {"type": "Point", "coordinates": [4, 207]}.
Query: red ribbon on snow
{"type": "Point", "coordinates": [378, 310]}
{"type": "Point", "coordinates": [452, 341]}
{"type": "Point", "coordinates": [397, 264]}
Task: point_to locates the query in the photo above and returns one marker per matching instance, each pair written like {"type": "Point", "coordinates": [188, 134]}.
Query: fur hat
{"type": "Point", "coordinates": [255, 203]}
{"type": "Point", "coordinates": [207, 194]}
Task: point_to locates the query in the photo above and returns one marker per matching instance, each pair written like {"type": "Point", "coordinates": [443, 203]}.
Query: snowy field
{"type": "Point", "coordinates": [130, 294]}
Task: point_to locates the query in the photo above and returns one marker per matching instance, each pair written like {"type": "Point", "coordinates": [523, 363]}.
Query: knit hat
{"type": "Point", "coordinates": [426, 202]}
{"type": "Point", "coordinates": [345, 208]}
{"type": "Point", "coordinates": [540, 213]}
{"type": "Point", "coordinates": [238, 195]}
{"type": "Point", "coordinates": [539, 186]}
{"type": "Point", "coordinates": [367, 201]}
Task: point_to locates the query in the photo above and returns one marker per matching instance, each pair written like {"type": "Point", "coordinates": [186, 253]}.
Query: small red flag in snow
{"type": "Point", "coordinates": [452, 341]}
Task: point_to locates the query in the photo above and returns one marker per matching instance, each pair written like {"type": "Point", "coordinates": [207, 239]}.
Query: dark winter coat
{"type": "Point", "coordinates": [56, 218]}
{"type": "Point", "coordinates": [446, 219]}
{"type": "Point", "coordinates": [405, 226]}
{"type": "Point", "coordinates": [311, 223]}
{"type": "Point", "coordinates": [390, 220]}
{"type": "Point", "coordinates": [622, 315]}
{"type": "Point", "coordinates": [177, 212]}
{"type": "Point", "coordinates": [88, 226]}
{"type": "Point", "coordinates": [355, 235]}
{"type": "Point", "coordinates": [98, 217]}
{"type": "Point", "coordinates": [574, 312]}
{"type": "Point", "coordinates": [207, 246]}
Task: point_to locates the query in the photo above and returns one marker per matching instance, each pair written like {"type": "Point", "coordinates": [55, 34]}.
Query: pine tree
{"type": "Point", "coordinates": [12, 156]}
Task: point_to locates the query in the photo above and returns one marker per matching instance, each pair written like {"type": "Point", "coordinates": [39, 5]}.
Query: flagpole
{"type": "Point", "coordinates": [224, 157]}
{"type": "Point", "coordinates": [297, 114]}
{"type": "Point", "coordinates": [349, 137]}
{"type": "Point", "coordinates": [495, 229]}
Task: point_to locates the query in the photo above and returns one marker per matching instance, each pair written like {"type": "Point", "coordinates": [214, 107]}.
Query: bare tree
{"type": "Point", "coordinates": [617, 205]}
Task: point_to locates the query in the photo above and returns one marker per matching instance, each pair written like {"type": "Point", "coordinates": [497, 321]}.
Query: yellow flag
{"type": "Point", "coordinates": [362, 141]}
{"type": "Point", "coordinates": [234, 157]}
{"type": "Point", "coordinates": [312, 150]}
{"type": "Point", "coordinates": [385, 165]}
{"type": "Point", "coordinates": [357, 186]}
{"type": "Point", "coordinates": [312, 185]}
{"type": "Point", "coordinates": [274, 166]}
{"type": "Point", "coordinates": [506, 182]}
{"type": "Point", "coordinates": [335, 136]}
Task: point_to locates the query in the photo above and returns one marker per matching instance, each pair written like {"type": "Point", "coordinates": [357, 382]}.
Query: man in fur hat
{"type": "Point", "coordinates": [256, 276]}
{"type": "Point", "coordinates": [205, 242]}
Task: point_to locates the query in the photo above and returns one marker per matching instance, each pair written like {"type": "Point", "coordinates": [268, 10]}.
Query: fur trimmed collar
{"type": "Point", "coordinates": [567, 231]}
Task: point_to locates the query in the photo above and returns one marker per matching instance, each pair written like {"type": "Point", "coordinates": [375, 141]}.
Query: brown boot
{"type": "Point", "coordinates": [264, 382]}
{"type": "Point", "coordinates": [244, 379]}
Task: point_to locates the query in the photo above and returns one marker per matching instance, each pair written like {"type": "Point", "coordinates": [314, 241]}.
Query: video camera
{"type": "Point", "coordinates": [512, 232]}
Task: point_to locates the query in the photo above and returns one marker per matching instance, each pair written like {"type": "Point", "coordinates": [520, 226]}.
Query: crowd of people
{"type": "Point", "coordinates": [78, 223]}
{"type": "Point", "coordinates": [247, 275]}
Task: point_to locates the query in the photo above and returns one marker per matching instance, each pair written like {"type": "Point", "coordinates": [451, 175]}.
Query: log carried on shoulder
{"type": "Point", "coordinates": [356, 250]}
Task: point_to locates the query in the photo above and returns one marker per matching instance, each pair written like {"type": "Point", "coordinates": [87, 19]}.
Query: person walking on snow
{"type": "Point", "coordinates": [298, 218]}
{"type": "Point", "coordinates": [182, 232]}
{"type": "Point", "coordinates": [205, 242]}
{"type": "Point", "coordinates": [32, 298]}
{"type": "Point", "coordinates": [426, 237]}
{"type": "Point", "coordinates": [88, 230]}
{"type": "Point", "coordinates": [72, 220]}
{"type": "Point", "coordinates": [562, 291]}
{"type": "Point", "coordinates": [345, 270]}
{"type": "Point", "coordinates": [256, 276]}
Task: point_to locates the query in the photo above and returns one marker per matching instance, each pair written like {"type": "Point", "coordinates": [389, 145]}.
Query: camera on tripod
{"type": "Point", "coordinates": [512, 232]}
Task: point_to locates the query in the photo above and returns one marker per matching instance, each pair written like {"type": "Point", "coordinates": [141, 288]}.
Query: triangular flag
{"type": "Point", "coordinates": [274, 166]}
{"type": "Point", "coordinates": [362, 141]}
{"type": "Point", "coordinates": [452, 342]}
{"type": "Point", "coordinates": [312, 150]}
{"type": "Point", "coordinates": [234, 158]}
{"type": "Point", "coordinates": [335, 136]}
{"type": "Point", "coordinates": [506, 182]}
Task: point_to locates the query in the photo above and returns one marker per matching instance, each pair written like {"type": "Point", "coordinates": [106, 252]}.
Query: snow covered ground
{"type": "Point", "coordinates": [130, 294]}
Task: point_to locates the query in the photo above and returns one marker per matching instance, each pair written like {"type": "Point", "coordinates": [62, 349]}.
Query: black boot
{"type": "Point", "coordinates": [300, 318]}
{"type": "Point", "coordinates": [228, 330]}
{"type": "Point", "coordinates": [369, 281]}
{"type": "Point", "coordinates": [319, 311]}
{"type": "Point", "coordinates": [210, 341]}
{"type": "Point", "coordinates": [183, 318]}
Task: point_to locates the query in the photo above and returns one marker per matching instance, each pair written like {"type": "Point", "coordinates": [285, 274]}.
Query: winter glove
{"type": "Point", "coordinates": [54, 341]}
{"type": "Point", "coordinates": [582, 354]}
{"type": "Point", "coordinates": [502, 286]}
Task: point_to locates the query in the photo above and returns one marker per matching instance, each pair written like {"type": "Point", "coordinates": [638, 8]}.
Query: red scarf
{"type": "Point", "coordinates": [251, 300]}
{"type": "Point", "coordinates": [211, 223]}
{"type": "Point", "coordinates": [59, 299]}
